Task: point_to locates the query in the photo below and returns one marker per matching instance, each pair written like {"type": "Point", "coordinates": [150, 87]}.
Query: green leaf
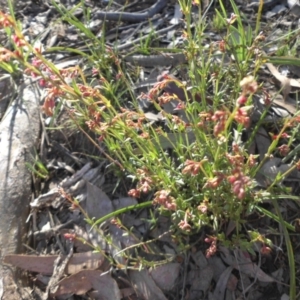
{"type": "Point", "coordinates": [283, 60]}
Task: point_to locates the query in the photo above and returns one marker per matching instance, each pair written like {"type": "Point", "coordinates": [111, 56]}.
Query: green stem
{"type": "Point", "coordinates": [290, 252]}
{"type": "Point", "coordinates": [121, 211]}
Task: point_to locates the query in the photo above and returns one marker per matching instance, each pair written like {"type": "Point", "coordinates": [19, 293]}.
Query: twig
{"type": "Point", "coordinates": [132, 17]}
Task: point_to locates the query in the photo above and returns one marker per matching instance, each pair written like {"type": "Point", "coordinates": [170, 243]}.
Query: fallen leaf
{"type": "Point", "coordinates": [126, 292]}
{"type": "Point", "coordinates": [221, 285]}
{"type": "Point", "coordinates": [78, 283]}
{"type": "Point", "coordinates": [201, 282]}
{"type": "Point", "coordinates": [123, 202]}
{"type": "Point", "coordinates": [271, 168]}
{"type": "Point", "coordinates": [145, 285]}
{"type": "Point", "coordinates": [290, 105]}
{"type": "Point", "coordinates": [284, 81]}
{"type": "Point", "coordinates": [165, 275]}
{"type": "Point", "coordinates": [105, 287]}
{"type": "Point", "coordinates": [199, 259]}
{"type": "Point", "coordinates": [262, 142]}
{"type": "Point", "coordinates": [44, 264]}
{"type": "Point", "coordinates": [177, 15]}
{"type": "Point", "coordinates": [120, 240]}
{"type": "Point", "coordinates": [98, 204]}
{"type": "Point", "coordinates": [241, 261]}
{"type": "Point", "coordinates": [217, 265]}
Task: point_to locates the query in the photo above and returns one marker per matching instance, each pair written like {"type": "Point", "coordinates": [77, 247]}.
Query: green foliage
{"type": "Point", "coordinates": [195, 167]}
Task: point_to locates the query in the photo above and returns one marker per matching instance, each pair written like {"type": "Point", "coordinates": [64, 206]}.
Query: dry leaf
{"type": "Point", "coordinates": [124, 202]}
{"type": "Point", "coordinates": [44, 264]}
{"type": "Point", "coordinates": [177, 15]}
{"type": "Point", "coordinates": [199, 259]}
{"type": "Point", "coordinates": [165, 275]}
{"type": "Point", "coordinates": [78, 284]}
{"type": "Point", "coordinates": [120, 240]}
{"type": "Point", "coordinates": [241, 261]}
{"type": "Point", "coordinates": [105, 288]}
{"type": "Point", "coordinates": [98, 204]}
{"type": "Point", "coordinates": [220, 289]}
{"type": "Point", "coordinates": [145, 285]}
{"type": "Point", "coordinates": [285, 82]}
{"type": "Point", "coordinates": [82, 235]}
{"type": "Point", "coordinates": [201, 282]}
{"type": "Point", "coordinates": [217, 265]}
{"type": "Point", "coordinates": [290, 105]}
{"type": "Point", "coordinates": [126, 292]}
{"type": "Point", "coordinates": [271, 168]}
{"type": "Point", "coordinates": [262, 142]}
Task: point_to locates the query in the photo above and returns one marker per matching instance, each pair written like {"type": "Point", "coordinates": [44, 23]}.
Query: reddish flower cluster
{"type": "Point", "coordinates": [251, 160]}
{"type": "Point", "coordinates": [156, 89]}
{"type": "Point", "coordinates": [19, 41]}
{"type": "Point", "coordinates": [203, 207]}
{"type": "Point", "coordinates": [165, 98]}
{"type": "Point", "coordinates": [222, 46]}
{"type": "Point", "coordinates": [239, 183]}
{"type": "Point", "coordinates": [214, 182]}
{"type": "Point", "coordinates": [241, 116]}
{"type": "Point", "coordinates": [284, 150]}
{"type": "Point", "coordinates": [87, 91]}
{"type": "Point", "coordinates": [164, 199]}
{"type": "Point", "coordinates": [131, 118]}
{"type": "Point", "coordinates": [232, 19]}
{"type": "Point", "coordinates": [242, 100]}
{"type": "Point", "coordinates": [134, 193]}
{"type": "Point", "coordinates": [56, 83]}
{"type": "Point", "coordinates": [248, 85]}
{"type": "Point", "coordinates": [6, 55]}
{"type": "Point", "coordinates": [237, 179]}
{"type": "Point", "coordinates": [267, 98]}
{"type": "Point", "coordinates": [284, 135]}
{"type": "Point", "coordinates": [220, 117]}
{"type": "Point", "coordinates": [205, 118]}
{"type": "Point", "coordinates": [191, 167]}
{"type": "Point", "coordinates": [236, 160]}
{"type": "Point", "coordinates": [265, 250]}
{"type": "Point", "coordinates": [94, 121]}
{"type": "Point", "coordinates": [144, 186]}
{"type": "Point", "coordinates": [49, 103]}
{"type": "Point", "coordinates": [213, 246]}
{"type": "Point", "coordinates": [70, 236]}
{"type": "Point", "coordinates": [6, 20]}
{"type": "Point", "coordinates": [183, 224]}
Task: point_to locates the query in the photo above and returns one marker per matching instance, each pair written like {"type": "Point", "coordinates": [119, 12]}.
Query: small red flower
{"type": "Point", "coordinates": [265, 250]}
{"type": "Point", "coordinates": [222, 46]}
{"type": "Point", "coordinates": [134, 193]}
{"type": "Point", "coordinates": [164, 199]}
{"type": "Point", "coordinates": [284, 149]}
{"type": "Point", "coordinates": [242, 100]}
{"type": "Point", "coordinates": [249, 85]}
{"type": "Point", "coordinates": [242, 117]}
{"type": "Point", "coordinates": [70, 236]}
{"type": "Point", "coordinates": [191, 167]}
{"type": "Point", "coordinates": [18, 41]}
{"type": "Point", "coordinates": [213, 246]}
